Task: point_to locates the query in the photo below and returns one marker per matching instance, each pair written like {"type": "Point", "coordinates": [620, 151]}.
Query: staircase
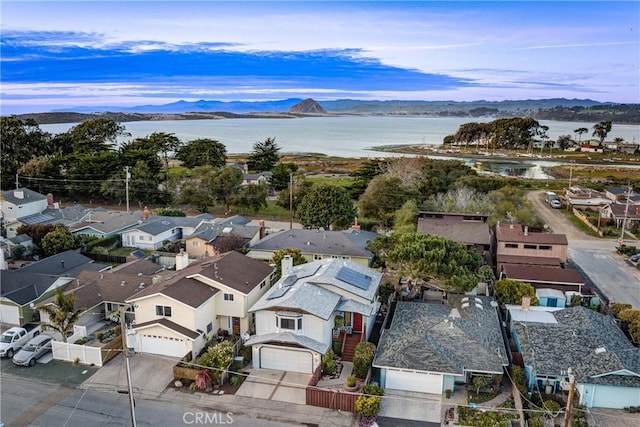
{"type": "Point", "coordinates": [349, 346]}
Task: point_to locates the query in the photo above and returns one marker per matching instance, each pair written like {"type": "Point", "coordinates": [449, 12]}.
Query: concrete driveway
{"type": "Point", "coordinates": [275, 385]}
{"type": "Point", "coordinates": [150, 375]}
{"type": "Point", "coordinates": [409, 405]}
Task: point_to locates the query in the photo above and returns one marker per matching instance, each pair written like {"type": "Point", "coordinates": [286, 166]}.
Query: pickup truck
{"type": "Point", "coordinates": [14, 338]}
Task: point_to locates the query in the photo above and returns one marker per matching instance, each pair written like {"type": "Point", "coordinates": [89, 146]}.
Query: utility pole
{"type": "Point", "coordinates": [127, 176]}
{"type": "Point", "coordinates": [572, 389]}
{"type": "Point", "coordinates": [125, 352]}
{"type": "Point", "coordinates": [290, 200]}
{"type": "Point", "coordinates": [626, 212]}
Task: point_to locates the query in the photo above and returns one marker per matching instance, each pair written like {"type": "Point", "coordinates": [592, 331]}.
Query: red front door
{"type": "Point", "coordinates": [236, 326]}
{"type": "Point", "coordinates": [357, 322]}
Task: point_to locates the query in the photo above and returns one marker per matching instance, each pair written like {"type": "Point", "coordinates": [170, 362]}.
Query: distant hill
{"type": "Point", "coordinates": [584, 110]}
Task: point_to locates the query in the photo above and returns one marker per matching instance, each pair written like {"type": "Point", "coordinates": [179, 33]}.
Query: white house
{"type": "Point", "coordinates": [294, 320]}
{"type": "Point", "coordinates": [20, 203]}
{"type": "Point", "coordinates": [152, 231]}
{"type": "Point", "coordinates": [181, 312]}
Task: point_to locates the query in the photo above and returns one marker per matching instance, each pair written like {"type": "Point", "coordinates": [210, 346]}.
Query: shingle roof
{"type": "Point", "coordinates": [574, 342]}
{"type": "Point", "coordinates": [235, 270]}
{"type": "Point", "coordinates": [169, 325]}
{"type": "Point", "coordinates": [108, 222]}
{"type": "Point", "coordinates": [437, 338]}
{"type": "Point", "coordinates": [312, 241]}
{"type": "Point", "coordinates": [141, 266]}
{"type": "Point", "coordinates": [528, 260]}
{"type": "Point", "coordinates": [28, 196]}
{"type": "Point", "coordinates": [69, 263]}
{"type": "Point", "coordinates": [289, 338]}
{"type": "Point", "coordinates": [22, 287]}
{"type": "Point", "coordinates": [543, 274]}
{"type": "Point", "coordinates": [504, 233]}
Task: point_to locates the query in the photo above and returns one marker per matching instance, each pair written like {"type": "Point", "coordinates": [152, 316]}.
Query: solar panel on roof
{"type": "Point", "coordinates": [289, 280]}
{"type": "Point", "coordinates": [138, 254]}
{"type": "Point", "coordinates": [36, 219]}
{"type": "Point", "coordinates": [355, 278]}
{"type": "Point", "coordinates": [278, 292]}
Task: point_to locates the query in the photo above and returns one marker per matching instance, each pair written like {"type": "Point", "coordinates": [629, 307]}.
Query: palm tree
{"type": "Point", "coordinates": [580, 131]}
{"type": "Point", "coordinates": [62, 313]}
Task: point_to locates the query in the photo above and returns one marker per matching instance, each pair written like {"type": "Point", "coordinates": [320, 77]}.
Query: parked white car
{"type": "Point", "coordinates": [14, 338]}
{"type": "Point", "coordinates": [33, 350]}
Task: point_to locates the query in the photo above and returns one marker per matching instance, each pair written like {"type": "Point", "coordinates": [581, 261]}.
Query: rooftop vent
{"type": "Point", "coordinates": [124, 282]}
{"type": "Point", "coordinates": [142, 285]}
{"type": "Point", "coordinates": [600, 350]}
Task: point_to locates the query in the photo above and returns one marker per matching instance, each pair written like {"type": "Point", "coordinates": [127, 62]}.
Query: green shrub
{"type": "Point", "coordinates": [368, 406]}
{"type": "Point", "coordinates": [373, 390]}
{"type": "Point", "coordinates": [330, 367]}
{"type": "Point", "coordinates": [80, 341]}
{"type": "Point", "coordinates": [551, 405]}
{"type": "Point", "coordinates": [337, 348]}
{"type": "Point", "coordinates": [362, 358]}
{"type": "Point", "coordinates": [236, 380]}
{"type": "Point", "coordinates": [520, 379]}
{"type": "Point", "coordinates": [218, 356]}
{"type": "Point", "coordinates": [535, 422]}
{"type": "Point", "coordinates": [351, 381]}
{"type": "Point", "coordinates": [246, 353]}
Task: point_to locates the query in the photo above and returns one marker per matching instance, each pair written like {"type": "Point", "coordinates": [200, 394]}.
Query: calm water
{"type": "Point", "coordinates": [333, 136]}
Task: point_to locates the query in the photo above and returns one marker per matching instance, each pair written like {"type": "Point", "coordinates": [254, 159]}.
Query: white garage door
{"type": "Point", "coordinates": [414, 381]}
{"type": "Point", "coordinates": [286, 360]}
{"type": "Point", "coordinates": [9, 314]}
{"type": "Point", "coordinates": [162, 345]}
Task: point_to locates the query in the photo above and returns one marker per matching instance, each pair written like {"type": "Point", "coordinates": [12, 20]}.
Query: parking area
{"type": "Point", "coordinates": [275, 385]}
{"type": "Point", "coordinates": [49, 370]}
{"type": "Point", "coordinates": [413, 406]}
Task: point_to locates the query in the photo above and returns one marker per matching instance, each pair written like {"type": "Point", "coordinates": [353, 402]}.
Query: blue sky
{"type": "Point", "coordinates": [125, 53]}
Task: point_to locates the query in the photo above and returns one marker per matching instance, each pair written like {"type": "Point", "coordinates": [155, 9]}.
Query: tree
{"type": "Point", "coordinates": [404, 219]}
{"type": "Point", "coordinates": [580, 131]}
{"type": "Point", "coordinates": [564, 142]}
{"type": "Point", "coordinates": [36, 232]}
{"type": "Point", "coordinates": [202, 152]}
{"type": "Point", "coordinates": [427, 258]}
{"type": "Point", "coordinates": [280, 175]}
{"type": "Point", "coordinates": [301, 187]}
{"type": "Point", "coordinates": [57, 241]}
{"type": "Point", "coordinates": [62, 313]}
{"type": "Point", "coordinates": [95, 135]}
{"type": "Point", "coordinates": [326, 206]}
{"type": "Point", "coordinates": [480, 381]}
{"type": "Point", "coordinates": [251, 197]}
{"type": "Point", "coordinates": [509, 291]}
{"type": "Point", "coordinates": [601, 130]}
{"type": "Point", "coordinates": [295, 254]}
{"type": "Point", "coordinates": [384, 195]}
{"type": "Point", "coordinates": [225, 185]}
{"type": "Point", "coordinates": [264, 157]}
{"type": "Point", "coordinates": [229, 242]}
{"type": "Point", "coordinates": [164, 143]}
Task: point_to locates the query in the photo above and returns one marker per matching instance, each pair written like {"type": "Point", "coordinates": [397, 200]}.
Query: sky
{"type": "Point", "coordinates": [57, 55]}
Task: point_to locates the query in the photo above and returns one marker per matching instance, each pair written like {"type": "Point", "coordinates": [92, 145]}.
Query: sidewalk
{"type": "Point", "coordinates": [262, 409]}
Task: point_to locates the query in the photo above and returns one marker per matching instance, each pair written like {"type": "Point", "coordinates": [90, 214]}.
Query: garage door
{"type": "Point", "coordinates": [9, 314]}
{"type": "Point", "coordinates": [286, 360]}
{"type": "Point", "coordinates": [414, 381]}
{"type": "Point", "coordinates": [162, 345]}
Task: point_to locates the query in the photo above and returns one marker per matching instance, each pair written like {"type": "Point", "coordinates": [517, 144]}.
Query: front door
{"type": "Point", "coordinates": [357, 322]}
{"type": "Point", "coordinates": [236, 326]}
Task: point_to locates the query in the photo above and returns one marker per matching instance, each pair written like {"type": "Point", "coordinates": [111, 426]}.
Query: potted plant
{"type": "Point", "coordinates": [351, 383]}
{"type": "Point", "coordinates": [447, 393]}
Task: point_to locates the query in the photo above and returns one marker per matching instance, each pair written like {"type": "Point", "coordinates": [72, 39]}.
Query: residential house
{"type": "Point", "coordinates": [210, 236]}
{"type": "Point", "coordinates": [517, 243]}
{"type": "Point", "coordinates": [18, 204]}
{"type": "Point", "coordinates": [556, 343]}
{"type": "Point", "coordinates": [317, 245]}
{"type": "Point", "coordinates": [591, 148]}
{"type": "Point", "coordinates": [540, 276]}
{"type": "Point", "coordinates": [429, 348]}
{"type": "Point", "coordinates": [262, 178]}
{"type": "Point", "coordinates": [180, 313]}
{"type": "Point", "coordinates": [622, 214]}
{"type": "Point", "coordinates": [69, 263]}
{"type": "Point", "coordinates": [580, 196]}
{"type": "Point", "coordinates": [153, 231]}
{"type": "Point", "coordinates": [296, 318]}
{"type": "Point", "coordinates": [471, 230]}
{"type": "Point", "coordinates": [617, 194]}
{"type": "Point", "coordinates": [102, 223]}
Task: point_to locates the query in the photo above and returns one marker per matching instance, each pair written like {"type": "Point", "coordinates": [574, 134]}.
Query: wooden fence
{"type": "Point", "coordinates": [329, 398]}
{"type": "Point", "coordinates": [585, 219]}
{"type": "Point", "coordinates": [112, 349]}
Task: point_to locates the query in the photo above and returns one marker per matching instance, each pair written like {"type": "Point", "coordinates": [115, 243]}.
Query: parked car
{"type": "Point", "coordinates": [33, 350]}
{"type": "Point", "coordinates": [635, 258]}
{"type": "Point", "coordinates": [555, 204]}
{"type": "Point", "coordinates": [14, 338]}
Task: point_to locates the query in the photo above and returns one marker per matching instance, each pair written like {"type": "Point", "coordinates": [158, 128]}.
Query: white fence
{"type": "Point", "coordinates": [82, 353]}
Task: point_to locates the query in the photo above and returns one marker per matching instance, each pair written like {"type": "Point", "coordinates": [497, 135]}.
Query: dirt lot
{"type": "Point", "coordinates": [554, 219]}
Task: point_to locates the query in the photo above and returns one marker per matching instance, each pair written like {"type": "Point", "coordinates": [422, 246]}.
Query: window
{"type": "Point", "coordinates": [288, 323]}
{"type": "Point", "coordinates": [263, 284]}
{"type": "Point", "coordinates": [512, 245]}
{"type": "Point", "coordinates": [317, 257]}
{"type": "Point", "coordinates": [195, 243]}
{"type": "Point", "coordinates": [228, 297]}
{"type": "Point", "coordinates": [209, 327]}
{"type": "Point", "coordinates": [544, 247]}
{"type": "Point", "coordinates": [530, 246]}
{"type": "Point", "coordinates": [163, 310]}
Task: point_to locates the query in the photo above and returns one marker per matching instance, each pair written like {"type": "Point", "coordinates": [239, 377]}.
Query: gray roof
{"type": "Point", "coordinates": [572, 342]}
{"type": "Point", "coordinates": [313, 241]}
{"type": "Point", "coordinates": [28, 196]}
{"type": "Point", "coordinates": [107, 222]}
{"type": "Point", "coordinates": [458, 231]}
{"type": "Point", "coordinates": [20, 239]}
{"type": "Point", "coordinates": [156, 224]}
{"type": "Point", "coordinates": [69, 263]}
{"type": "Point", "coordinates": [446, 338]}
{"type": "Point", "coordinates": [360, 237]}
{"type": "Point", "coordinates": [22, 287]}
{"type": "Point", "coordinates": [311, 290]}
{"type": "Point", "coordinates": [169, 325]}
{"type": "Point", "coordinates": [210, 232]}
{"type": "Point", "coordinates": [289, 338]}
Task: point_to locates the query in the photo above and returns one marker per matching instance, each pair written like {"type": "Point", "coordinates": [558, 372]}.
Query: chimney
{"type": "Point", "coordinates": [245, 168]}
{"type": "Point", "coordinates": [182, 260]}
{"type": "Point", "coordinates": [287, 265]}
{"type": "Point", "coordinates": [18, 194]}
{"type": "Point", "coordinates": [262, 228]}
{"type": "Point", "coordinates": [511, 226]}
{"type": "Point", "coordinates": [526, 302]}
{"type": "Point", "coordinates": [50, 201]}
{"type": "Point", "coordinates": [145, 214]}
{"type": "Point", "coordinates": [526, 230]}
{"type": "Point", "coordinates": [355, 225]}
